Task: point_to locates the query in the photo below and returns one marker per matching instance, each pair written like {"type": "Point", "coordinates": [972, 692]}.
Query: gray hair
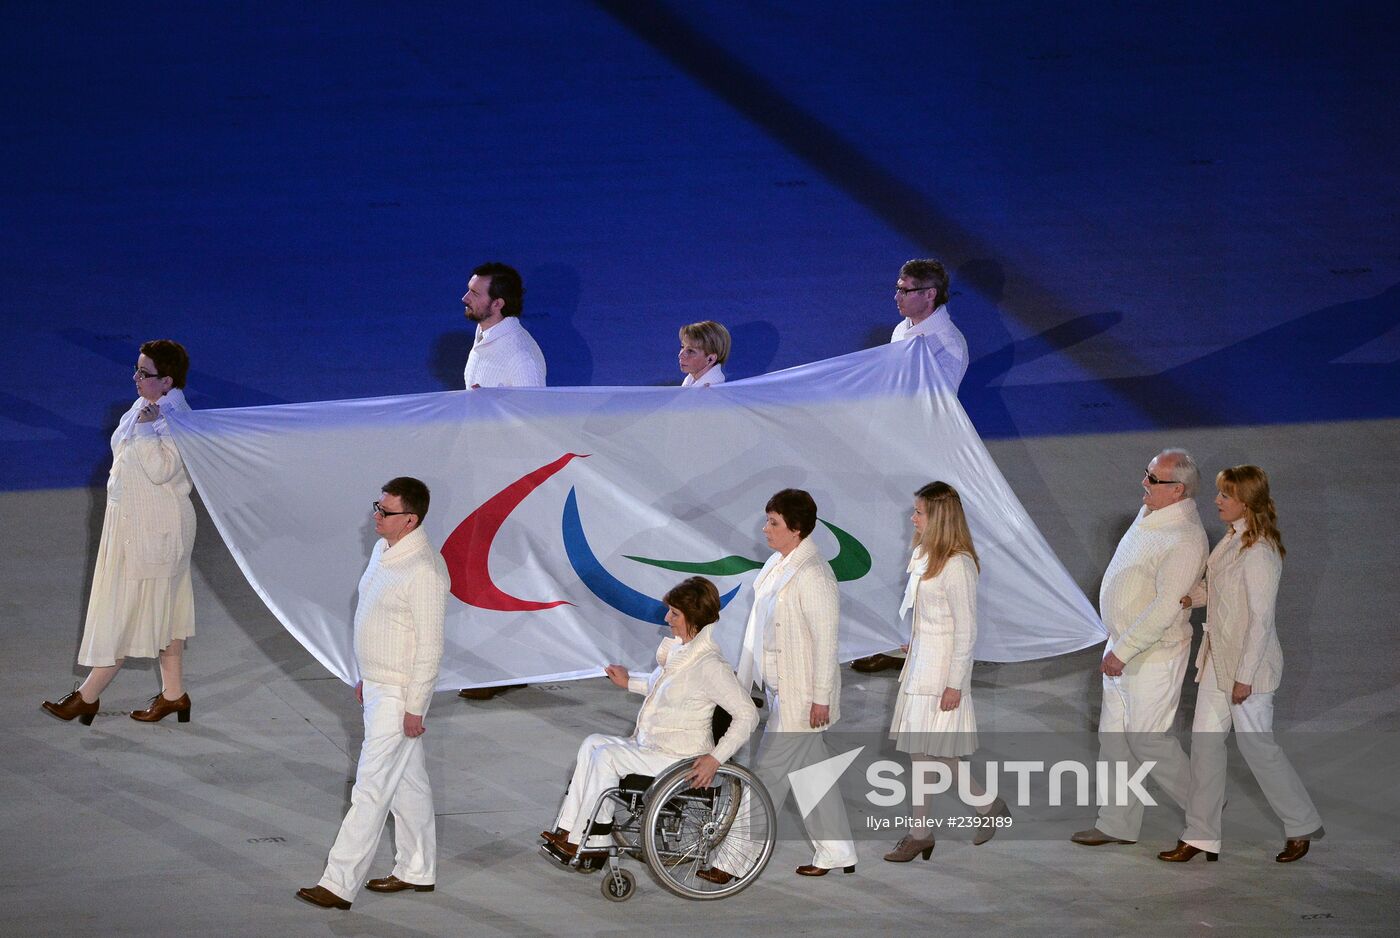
{"type": "Point", "coordinates": [1184, 468]}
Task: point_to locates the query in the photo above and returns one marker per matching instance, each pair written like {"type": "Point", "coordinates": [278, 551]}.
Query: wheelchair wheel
{"type": "Point", "coordinates": [619, 885]}
{"type": "Point", "coordinates": [691, 837]}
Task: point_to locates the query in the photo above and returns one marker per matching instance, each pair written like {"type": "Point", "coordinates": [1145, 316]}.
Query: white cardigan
{"type": "Point", "coordinates": [806, 617]}
{"type": "Point", "coordinates": [944, 628]}
{"type": "Point", "coordinates": [150, 488]}
{"type": "Point", "coordinates": [690, 680]}
{"type": "Point", "coordinates": [1159, 559]}
{"type": "Point", "coordinates": [1240, 592]}
{"type": "Point", "coordinates": [398, 619]}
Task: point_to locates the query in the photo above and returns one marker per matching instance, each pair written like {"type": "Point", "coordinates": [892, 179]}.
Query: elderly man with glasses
{"type": "Point", "coordinates": [398, 645]}
{"type": "Point", "coordinates": [1163, 550]}
{"type": "Point", "coordinates": [921, 296]}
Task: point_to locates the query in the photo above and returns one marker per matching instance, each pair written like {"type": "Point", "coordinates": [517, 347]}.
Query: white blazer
{"type": "Point", "coordinates": [1240, 593]}
{"type": "Point", "coordinates": [944, 629]}
{"type": "Point", "coordinates": [806, 617]}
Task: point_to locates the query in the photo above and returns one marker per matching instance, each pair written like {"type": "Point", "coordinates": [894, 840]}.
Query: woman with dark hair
{"type": "Point", "coordinates": [933, 718]}
{"type": "Point", "coordinates": [692, 677]}
{"type": "Point", "coordinates": [1238, 668]}
{"type": "Point", "coordinates": [142, 604]}
{"type": "Point", "coordinates": [790, 651]}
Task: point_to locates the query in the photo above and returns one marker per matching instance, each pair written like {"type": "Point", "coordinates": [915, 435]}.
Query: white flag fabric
{"type": "Point", "coordinates": [565, 514]}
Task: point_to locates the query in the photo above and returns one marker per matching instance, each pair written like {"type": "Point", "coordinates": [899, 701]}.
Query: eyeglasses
{"type": "Point", "coordinates": [903, 290]}
{"type": "Point", "coordinates": [1153, 480]}
{"type": "Point", "coordinates": [383, 512]}
{"type": "Point", "coordinates": [142, 374]}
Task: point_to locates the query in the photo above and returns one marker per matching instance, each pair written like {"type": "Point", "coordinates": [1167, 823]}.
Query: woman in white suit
{"type": "Point", "coordinates": [1238, 668]}
{"type": "Point", "coordinates": [692, 677]}
{"type": "Point", "coordinates": [933, 718]}
{"type": "Point", "coordinates": [790, 648]}
{"type": "Point", "coordinates": [142, 603]}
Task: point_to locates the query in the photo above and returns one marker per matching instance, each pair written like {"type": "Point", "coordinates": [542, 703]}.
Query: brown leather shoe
{"type": "Point", "coordinates": [73, 706]}
{"type": "Point", "coordinates": [161, 708]}
{"type": "Point", "coordinates": [1094, 837]}
{"type": "Point", "coordinates": [486, 693]}
{"type": "Point", "coordinates": [1294, 848]}
{"type": "Point", "coordinates": [808, 869]}
{"type": "Point", "coordinates": [1183, 852]}
{"type": "Point", "coordinates": [392, 883]}
{"type": "Point", "coordinates": [555, 837]}
{"type": "Point", "coordinates": [877, 662]}
{"type": "Point", "coordinates": [715, 875]}
{"type": "Point", "coordinates": [321, 896]}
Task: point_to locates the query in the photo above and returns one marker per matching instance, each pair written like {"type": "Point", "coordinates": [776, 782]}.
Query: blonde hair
{"type": "Point", "coordinates": [945, 528]}
{"type": "Point", "coordinates": [1250, 486]}
{"type": "Point", "coordinates": [712, 338]}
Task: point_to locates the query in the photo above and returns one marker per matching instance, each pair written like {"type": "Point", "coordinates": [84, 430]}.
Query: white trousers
{"type": "Point", "coordinates": [392, 778]}
{"type": "Point", "coordinates": [1253, 722]}
{"type": "Point", "coordinates": [783, 752]}
{"type": "Point", "coordinates": [601, 763]}
{"type": "Point", "coordinates": [1138, 710]}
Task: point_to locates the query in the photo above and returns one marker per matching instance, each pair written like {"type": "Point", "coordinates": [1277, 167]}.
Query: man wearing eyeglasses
{"type": "Point", "coordinates": [398, 645]}
{"type": "Point", "coordinates": [1163, 551]}
{"type": "Point", "coordinates": [921, 296]}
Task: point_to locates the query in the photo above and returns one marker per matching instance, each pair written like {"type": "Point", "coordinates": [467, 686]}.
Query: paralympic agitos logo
{"type": "Point", "coordinates": [467, 551]}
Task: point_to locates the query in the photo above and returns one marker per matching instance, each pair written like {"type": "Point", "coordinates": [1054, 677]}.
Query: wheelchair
{"type": "Point", "coordinates": [679, 831]}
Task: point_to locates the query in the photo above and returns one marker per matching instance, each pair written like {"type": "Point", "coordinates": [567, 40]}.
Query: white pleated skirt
{"type": "Point", "coordinates": [920, 728]}
{"type": "Point", "coordinates": [132, 618]}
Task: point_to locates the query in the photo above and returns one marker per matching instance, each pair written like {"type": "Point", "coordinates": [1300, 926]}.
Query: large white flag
{"type": "Point", "coordinates": [566, 513]}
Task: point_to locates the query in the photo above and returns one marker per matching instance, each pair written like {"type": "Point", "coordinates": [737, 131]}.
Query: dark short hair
{"type": "Point", "coordinates": [505, 285]}
{"type": "Point", "coordinates": [797, 508]}
{"type": "Point", "coordinates": [930, 273]}
{"type": "Point", "coordinates": [413, 492]}
{"type": "Point", "coordinates": [170, 358]}
{"type": "Point", "coordinates": [697, 599]}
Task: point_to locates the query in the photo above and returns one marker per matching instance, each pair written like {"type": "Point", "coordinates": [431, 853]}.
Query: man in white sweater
{"type": "Point", "coordinates": [921, 296]}
{"type": "Point", "coordinates": [1157, 562]}
{"type": "Point", "coordinates": [398, 645]}
{"type": "Point", "coordinates": [503, 355]}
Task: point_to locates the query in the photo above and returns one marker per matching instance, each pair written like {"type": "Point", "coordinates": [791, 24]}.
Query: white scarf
{"type": "Point", "coordinates": [766, 587]}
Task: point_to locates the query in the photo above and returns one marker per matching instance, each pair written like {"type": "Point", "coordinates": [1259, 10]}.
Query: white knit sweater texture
{"type": "Point", "coordinates": [398, 620]}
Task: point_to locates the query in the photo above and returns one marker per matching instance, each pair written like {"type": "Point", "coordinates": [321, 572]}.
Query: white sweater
{"type": "Point", "coordinates": [504, 356]}
{"type": "Point", "coordinates": [1157, 562]}
{"type": "Point", "coordinates": [398, 620]}
{"type": "Point", "coordinates": [690, 680]}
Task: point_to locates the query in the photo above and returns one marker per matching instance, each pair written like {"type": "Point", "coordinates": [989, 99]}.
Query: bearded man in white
{"type": "Point", "coordinates": [1158, 561]}
{"type": "Point", "coordinates": [398, 645]}
{"type": "Point", "coordinates": [503, 354]}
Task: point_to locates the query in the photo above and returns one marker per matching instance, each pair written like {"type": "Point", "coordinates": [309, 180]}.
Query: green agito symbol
{"type": "Point", "coordinates": [851, 562]}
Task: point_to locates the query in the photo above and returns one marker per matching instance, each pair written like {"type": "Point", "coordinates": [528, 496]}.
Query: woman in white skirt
{"type": "Point", "coordinates": [933, 718]}
{"type": "Point", "coordinates": [142, 604]}
{"type": "Point", "coordinates": [1238, 668]}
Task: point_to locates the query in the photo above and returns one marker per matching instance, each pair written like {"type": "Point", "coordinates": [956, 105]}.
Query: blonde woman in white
{"type": "Point", "coordinates": [704, 350]}
{"type": "Point", "coordinates": [1238, 669]}
{"type": "Point", "coordinates": [933, 716]}
{"type": "Point", "coordinates": [142, 603]}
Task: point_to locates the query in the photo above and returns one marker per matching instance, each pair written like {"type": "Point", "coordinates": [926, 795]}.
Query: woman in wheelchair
{"type": "Point", "coordinates": [692, 678]}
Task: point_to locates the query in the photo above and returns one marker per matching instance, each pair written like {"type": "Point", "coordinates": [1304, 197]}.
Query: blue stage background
{"type": "Point", "coordinates": [1155, 215]}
